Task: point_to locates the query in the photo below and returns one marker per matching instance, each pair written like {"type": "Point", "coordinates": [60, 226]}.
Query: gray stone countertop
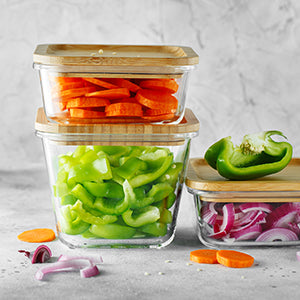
{"type": "Point", "coordinates": [165, 273]}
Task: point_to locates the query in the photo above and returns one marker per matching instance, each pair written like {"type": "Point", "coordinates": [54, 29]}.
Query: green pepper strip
{"type": "Point", "coordinates": [90, 218]}
{"type": "Point", "coordinates": [143, 179]}
{"type": "Point", "coordinates": [112, 231]}
{"type": "Point", "coordinates": [141, 216]}
{"type": "Point", "coordinates": [257, 156]}
{"type": "Point", "coordinates": [71, 223]}
{"type": "Point", "coordinates": [155, 229]}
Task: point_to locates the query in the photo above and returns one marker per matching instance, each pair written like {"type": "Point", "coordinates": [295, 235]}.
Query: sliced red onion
{"type": "Point", "coordinates": [92, 259]}
{"type": "Point", "coordinates": [40, 255]}
{"type": "Point", "coordinates": [277, 234]}
{"type": "Point", "coordinates": [259, 218]}
{"type": "Point", "coordinates": [228, 220]}
{"type": "Point", "coordinates": [209, 214]}
{"type": "Point", "coordinates": [84, 265]}
{"type": "Point", "coordinates": [252, 206]}
{"type": "Point", "coordinates": [249, 233]}
{"type": "Point", "coordinates": [245, 218]}
{"type": "Point", "coordinates": [294, 227]}
{"type": "Point", "coordinates": [281, 216]}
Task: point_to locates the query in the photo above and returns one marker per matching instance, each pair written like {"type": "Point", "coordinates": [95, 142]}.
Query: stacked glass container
{"type": "Point", "coordinates": [116, 137]}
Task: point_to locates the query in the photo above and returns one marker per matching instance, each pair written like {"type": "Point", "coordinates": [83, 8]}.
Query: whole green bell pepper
{"type": "Point", "coordinates": [257, 156]}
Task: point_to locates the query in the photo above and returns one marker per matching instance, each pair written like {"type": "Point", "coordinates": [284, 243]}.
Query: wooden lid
{"type": "Point", "coordinates": [114, 55]}
{"type": "Point", "coordinates": [202, 177]}
{"type": "Point", "coordinates": [189, 124]}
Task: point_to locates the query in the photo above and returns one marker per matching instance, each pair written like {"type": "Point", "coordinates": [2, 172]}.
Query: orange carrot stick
{"type": "Point", "coordinates": [234, 259]}
{"type": "Point", "coordinates": [82, 102]}
{"type": "Point", "coordinates": [204, 256]}
{"type": "Point", "coordinates": [38, 235]}
{"type": "Point", "coordinates": [124, 110]}
{"type": "Point", "coordinates": [165, 85]}
{"type": "Point", "coordinates": [101, 83]}
{"type": "Point", "coordinates": [110, 94]}
{"type": "Point", "coordinates": [156, 99]}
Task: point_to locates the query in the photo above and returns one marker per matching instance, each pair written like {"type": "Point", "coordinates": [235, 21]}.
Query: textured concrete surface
{"type": "Point", "coordinates": [26, 204]}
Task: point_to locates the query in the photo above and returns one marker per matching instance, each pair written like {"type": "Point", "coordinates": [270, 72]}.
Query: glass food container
{"type": "Point", "coordinates": [260, 212]}
{"type": "Point", "coordinates": [116, 185]}
{"type": "Point", "coordinates": [114, 83]}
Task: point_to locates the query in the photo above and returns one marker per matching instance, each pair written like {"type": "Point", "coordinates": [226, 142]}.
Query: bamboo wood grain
{"type": "Point", "coordinates": [114, 55]}
{"type": "Point", "coordinates": [189, 124]}
{"type": "Point", "coordinates": [201, 177]}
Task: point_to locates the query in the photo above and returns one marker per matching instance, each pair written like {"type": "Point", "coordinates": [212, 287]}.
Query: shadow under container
{"type": "Point", "coordinates": [115, 83]}
{"type": "Point", "coordinates": [260, 212]}
{"type": "Point", "coordinates": [116, 186]}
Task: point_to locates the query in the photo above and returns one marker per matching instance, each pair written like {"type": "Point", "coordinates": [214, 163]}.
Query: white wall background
{"type": "Point", "coordinates": [248, 78]}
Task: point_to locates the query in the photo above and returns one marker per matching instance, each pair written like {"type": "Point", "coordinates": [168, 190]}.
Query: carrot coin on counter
{"type": "Point", "coordinates": [234, 259]}
{"type": "Point", "coordinates": [38, 235]}
{"type": "Point", "coordinates": [204, 256]}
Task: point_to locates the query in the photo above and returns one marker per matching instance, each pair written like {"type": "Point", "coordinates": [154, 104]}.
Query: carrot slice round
{"type": "Point", "coordinates": [124, 110]}
{"type": "Point", "coordinates": [38, 235]}
{"type": "Point", "coordinates": [63, 80]}
{"type": "Point", "coordinates": [110, 94]}
{"type": "Point", "coordinates": [87, 102]}
{"type": "Point", "coordinates": [234, 259]}
{"type": "Point", "coordinates": [101, 83]}
{"type": "Point", "coordinates": [73, 93]}
{"type": "Point", "coordinates": [125, 83]}
{"type": "Point", "coordinates": [67, 86]}
{"type": "Point", "coordinates": [82, 113]}
{"type": "Point", "coordinates": [156, 112]}
{"type": "Point", "coordinates": [204, 256]}
{"type": "Point", "coordinates": [166, 85]}
{"type": "Point", "coordinates": [157, 99]}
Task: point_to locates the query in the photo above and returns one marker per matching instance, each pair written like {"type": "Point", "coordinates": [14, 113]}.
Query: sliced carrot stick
{"type": "Point", "coordinates": [110, 94]}
{"type": "Point", "coordinates": [86, 113]}
{"type": "Point", "coordinates": [156, 99]}
{"type": "Point", "coordinates": [38, 235]}
{"type": "Point", "coordinates": [73, 93]}
{"type": "Point", "coordinates": [204, 256]}
{"type": "Point", "coordinates": [159, 118]}
{"type": "Point", "coordinates": [234, 259]}
{"type": "Point", "coordinates": [101, 83]}
{"type": "Point", "coordinates": [124, 110]}
{"type": "Point", "coordinates": [125, 83]}
{"type": "Point", "coordinates": [87, 102]}
{"type": "Point", "coordinates": [155, 112]}
{"type": "Point", "coordinates": [166, 85]}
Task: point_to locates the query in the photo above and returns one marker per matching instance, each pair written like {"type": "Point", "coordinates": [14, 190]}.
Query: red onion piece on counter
{"type": "Point", "coordinates": [227, 223]}
{"type": "Point", "coordinates": [40, 255]}
{"type": "Point", "coordinates": [277, 234]}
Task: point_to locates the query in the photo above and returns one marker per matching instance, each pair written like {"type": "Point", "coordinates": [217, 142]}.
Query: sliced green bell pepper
{"type": "Point", "coordinates": [257, 156]}
{"type": "Point", "coordinates": [155, 229]}
{"type": "Point", "coordinates": [88, 217]}
{"type": "Point", "coordinates": [83, 195]}
{"type": "Point", "coordinates": [109, 189]}
{"type": "Point", "coordinates": [111, 206]}
{"type": "Point", "coordinates": [113, 231]}
{"type": "Point", "coordinates": [131, 167]}
{"type": "Point", "coordinates": [142, 216]}
{"type": "Point", "coordinates": [146, 178]}
{"type": "Point", "coordinates": [160, 191]}
{"type": "Point", "coordinates": [171, 176]}
{"type": "Point", "coordinates": [71, 223]}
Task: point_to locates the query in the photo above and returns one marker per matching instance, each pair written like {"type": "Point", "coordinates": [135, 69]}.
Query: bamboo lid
{"type": "Point", "coordinates": [114, 55]}
{"type": "Point", "coordinates": [189, 124]}
{"type": "Point", "coordinates": [202, 177]}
